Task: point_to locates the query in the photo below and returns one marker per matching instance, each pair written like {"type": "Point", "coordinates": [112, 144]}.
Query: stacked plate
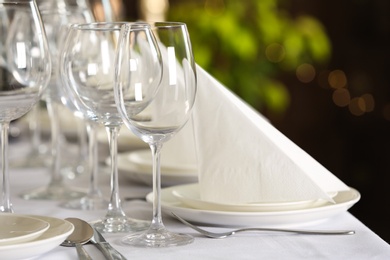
{"type": "Point", "coordinates": [127, 141]}
{"type": "Point", "coordinates": [28, 236]}
{"type": "Point", "coordinates": [137, 166]}
{"type": "Point", "coordinates": [185, 201]}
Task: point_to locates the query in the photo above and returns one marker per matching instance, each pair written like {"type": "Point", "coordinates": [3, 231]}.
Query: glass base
{"type": "Point", "coordinates": [6, 209]}
{"type": "Point", "coordinates": [73, 172]}
{"type": "Point", "coordinates": [157, 238]}
{"type": "Point", "coordinates": [86, 203]}
{"type": "Point", "coordinates": [53, 193]}
{"type": "Point", "coordinates": [120, 225]}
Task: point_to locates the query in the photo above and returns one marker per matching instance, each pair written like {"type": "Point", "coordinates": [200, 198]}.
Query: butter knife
{"type": "Point", "coordinates": [108, 251]}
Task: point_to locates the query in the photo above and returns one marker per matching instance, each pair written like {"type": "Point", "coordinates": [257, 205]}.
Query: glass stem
{"type": "Point", "coordinates": [92, 158]}
{"type": "Point", "coordinates": [157, 218]}
{"type": "Point", "coordinates": [35, 128]}
{"type": "Point", "coordinates": [56, 176]}
{"type": "Point", "coordinates": [114, 206]}
{"type": "Point", "coordinates": [83, 147]}
{"type": "Point", "coordinates": [6, 205]}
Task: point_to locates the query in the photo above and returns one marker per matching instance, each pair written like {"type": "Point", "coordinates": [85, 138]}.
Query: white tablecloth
{"type": "Point", "coordinates": [365, 244]}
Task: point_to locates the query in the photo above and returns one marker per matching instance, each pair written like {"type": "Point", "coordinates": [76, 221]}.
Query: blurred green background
{"type": "Point", "coordinates": [249, 45]}
{"type": "Point", "coordinates": [319, 70]}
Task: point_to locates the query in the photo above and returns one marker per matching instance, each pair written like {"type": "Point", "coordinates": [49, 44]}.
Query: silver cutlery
{"type": "Point", "coordinates": [81, 234]}
{"type": "Point", "coordinates": [108, 251]}
{"type": "Point", "coordinates": [232, 232]}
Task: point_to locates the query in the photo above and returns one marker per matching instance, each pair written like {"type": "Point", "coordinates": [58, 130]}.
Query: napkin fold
{"type": "Point", "coordinates": [242, 158]}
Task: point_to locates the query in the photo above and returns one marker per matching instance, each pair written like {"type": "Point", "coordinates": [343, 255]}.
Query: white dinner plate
{"type": "Point", "coordinates": [343, 201]}
{"type": "Point", "coordinates": [189, 195]}
{"type": "Point", "coordinates": [59, 230]}
{"type": "Point", "coordinates": [127, 141]}
{"type": "Point", "coordinates": [141, 175]}
{"type": "Point", "coordinates": [16, 228]}
{"type": "Point", "coordinates": [143, 159]}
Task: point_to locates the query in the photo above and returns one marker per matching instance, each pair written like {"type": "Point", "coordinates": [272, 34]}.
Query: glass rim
{"type": "Point", "coordinates": [166, 24]}
{"type": "Point", "coordinates": [104, 26]}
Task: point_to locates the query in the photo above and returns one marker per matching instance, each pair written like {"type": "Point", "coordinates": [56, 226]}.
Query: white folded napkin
{"type": "Point", "coordinates": [242, 158]}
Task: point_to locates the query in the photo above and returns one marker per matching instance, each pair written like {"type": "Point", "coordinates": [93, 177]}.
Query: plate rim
{"type": "Point", "coordinates": [44, 225]}
{"type": "Point", "coordinates": [198, 215]}
{"type": "Point", "coordinates": [129, 171]}
{"type": "Point", "coordinates": [38, 244]}
{"type": "Point", "coordinates": [169, 167]}
{"type": "Point", "coordinates": [139, 170]}
{"type": "Point", "coordinates": [125, 138]}
{"type": "Point", "coordinates": [254, 207]}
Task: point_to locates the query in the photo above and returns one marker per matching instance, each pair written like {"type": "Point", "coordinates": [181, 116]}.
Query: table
{"type": "Point", "coordinates": [365, 244]}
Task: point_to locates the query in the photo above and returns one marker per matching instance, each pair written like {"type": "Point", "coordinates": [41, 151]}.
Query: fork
{"type": "Point", "coordinates": [232, 232]}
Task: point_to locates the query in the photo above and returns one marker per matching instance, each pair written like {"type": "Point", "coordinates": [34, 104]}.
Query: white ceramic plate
{"type": "Point", "coordinates": [189, 195]}
{"type": "Point", "coordinates": [343, 201]}
{"type": "Point", "coordinates": [59, 230]}
{"type": "Point", "coordinates": [144, 176]}
{"type": "Point", "coordinates": [143, 159]}
{"type": "Point", "coordinates": [16, 229]}
{"type": "Point", "coordinates": [127, 141]}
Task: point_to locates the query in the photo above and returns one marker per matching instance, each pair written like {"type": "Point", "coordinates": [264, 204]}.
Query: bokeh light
{"type": "Point", "coordinates": [337, 79]}
{"type": "Point", "coordinates": [305, 73]}
{"type": "Point", "coordinates": [369, 102]}
{"type": "Point", "coordinates": [341, 97]}
{"type": "Point", "coordinates": [275, 52]}
{"type": "Point", "coordinates": [357, 106]}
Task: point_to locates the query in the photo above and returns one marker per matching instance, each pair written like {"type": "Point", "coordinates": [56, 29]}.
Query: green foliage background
{"type": "Point", "coordinates": [230, 39]}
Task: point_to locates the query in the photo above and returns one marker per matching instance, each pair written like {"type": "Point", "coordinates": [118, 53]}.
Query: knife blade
{"type": "Point", "coordinates": [108, 251]}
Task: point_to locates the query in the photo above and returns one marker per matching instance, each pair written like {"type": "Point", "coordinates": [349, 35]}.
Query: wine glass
{"type": "Point", "coordinates": [168, 112]}
{"type": "Point", "coordinates": [93, 200]}
{"type": "Point", "coordinates": [25, 69]}
{"type": "Point", "coordinates": [56, 16]}
{"type": "Point", "coordinates": [87, 70]}
{"type": "Point", "coordinates": [37, 155]}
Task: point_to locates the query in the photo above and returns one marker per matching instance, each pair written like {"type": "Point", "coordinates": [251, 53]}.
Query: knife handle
{"type": "Point", "coordinates": [109, 252]}
{"type": "Point", "coordinates": [82, 253]}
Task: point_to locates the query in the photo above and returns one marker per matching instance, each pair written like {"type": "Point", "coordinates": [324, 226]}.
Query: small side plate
{"type": "Point", "coordinates": [19, 229]}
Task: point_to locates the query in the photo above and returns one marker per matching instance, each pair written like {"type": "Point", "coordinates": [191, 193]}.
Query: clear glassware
{"type": "Point", "coordinates": [25, 68]}
{"type": "Point", "coordinates": [168, 112]}
{"type": "Point", "coordinates": [87, 70]}
{"type": "Point", "coordinates": [76, 164]}
{"type": "Point", "coordinates": [37, 155]}
{"type": "Point", "coordinates": [55, 17]}
{"type": "Point", "coordinates": [94, 199]}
